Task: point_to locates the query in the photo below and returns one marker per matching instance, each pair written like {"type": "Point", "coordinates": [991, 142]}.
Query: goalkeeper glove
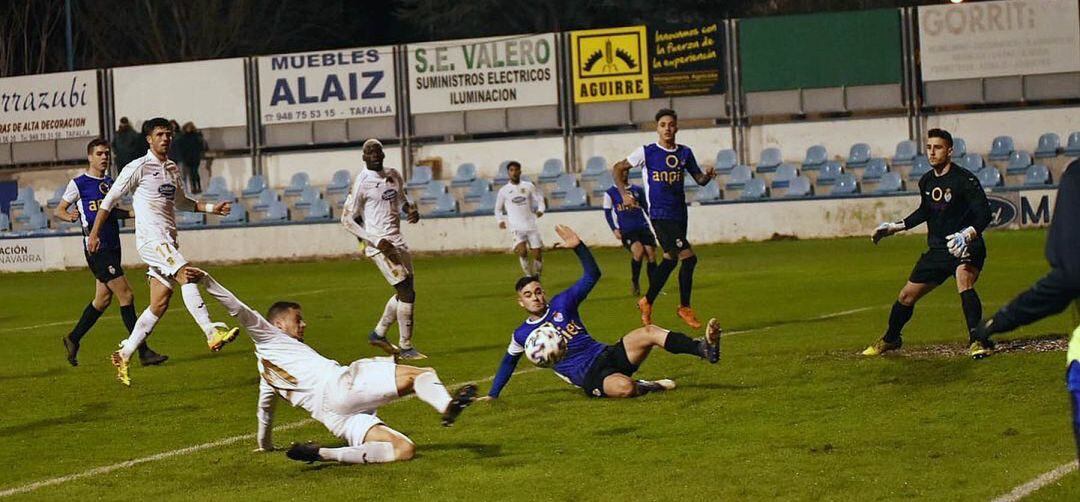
{"type": "Point", "coordinates": [958, 242]}
{"type": "Point", "coordinates": [886, 229]}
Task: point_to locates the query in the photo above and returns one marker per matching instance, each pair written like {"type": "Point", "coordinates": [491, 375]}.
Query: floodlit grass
{"type": "Point", "coordinates": [792, 411]}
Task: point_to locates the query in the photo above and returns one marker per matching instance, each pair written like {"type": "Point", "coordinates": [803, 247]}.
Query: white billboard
{"type": "Point", "coordinates": [993, 39]}
{"type": "Point", "coordinates": [327, 85]}
{"type": "Point", "coordinates": [483, 73]}
{"type": "Point", "coordinates": [207, 93]}
{"type": "Point", "coordinates": [51, 106]}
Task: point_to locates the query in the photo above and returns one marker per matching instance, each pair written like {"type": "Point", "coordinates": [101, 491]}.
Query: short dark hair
{"type": "Point", "coordinates": [665, 111]}
{"type": "Point", "coordinates": [280, 308]}
{"type": "Point", "coordinates": [149, 126]}
{"type": "Point", "coordinates": [525, 281]}
{"type": "Point", "coordinates": [940, 133]}
{"type": "Point", "coordinates": [94, 143]}
{"type": "Point", "coordinates": [513, 163]}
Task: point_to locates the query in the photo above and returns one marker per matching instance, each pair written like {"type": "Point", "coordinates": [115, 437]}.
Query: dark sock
{"type": "Point", "coordinates": [686, 280]}
{"type": "Point", "coordinates": [658, 278]}
{"type": "Point", "coordinates": [635, 272]}
{"type": "Point", "coordinates": [650, 269]}
{"type": "Point", "coordinates": [678, 343]}
{"type": "Point", "coordinates": [899, 316]}
{"type": "Point", "coordinates": [89, 316]}
{"type": "Point", "coordinates": [972, 306]}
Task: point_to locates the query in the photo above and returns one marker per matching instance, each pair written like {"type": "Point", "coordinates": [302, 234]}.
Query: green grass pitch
{"type": "Point", "coordinates": [792, 412]}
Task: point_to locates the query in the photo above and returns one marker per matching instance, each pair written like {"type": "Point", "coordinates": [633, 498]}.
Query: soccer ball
{"type": "Point", "coordinates": [545, 346]}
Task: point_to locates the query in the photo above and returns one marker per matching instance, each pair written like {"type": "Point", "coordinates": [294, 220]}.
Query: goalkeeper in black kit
{"type": "Point", "coordinates": [956, 213]}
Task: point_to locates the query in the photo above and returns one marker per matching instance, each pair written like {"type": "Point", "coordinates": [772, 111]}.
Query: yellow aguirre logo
{"type": "Point", "coordinates": [610, 64]}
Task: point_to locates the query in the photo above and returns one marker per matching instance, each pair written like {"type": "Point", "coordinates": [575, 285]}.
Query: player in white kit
{"type": "Point", "coordinates": [343, 398]}
{"type": "Point", "coordinates": [372, 213]}
{"type": "Point", "coordinates": [518, 205]}
{"type": "Point", "coordinates": [158, 194]}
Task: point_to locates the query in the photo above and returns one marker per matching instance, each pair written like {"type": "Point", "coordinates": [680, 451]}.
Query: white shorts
{"type": "Point", "coordinates": [368, 384]}
{"type": "Point", "coordinates": [530, 236]}
{"type": "Point", "coordinates": [393, 272]}
{"type": "Point", "coordinates": [164, 260]}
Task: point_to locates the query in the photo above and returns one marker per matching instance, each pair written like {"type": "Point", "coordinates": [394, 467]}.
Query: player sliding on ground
{"type": "Point", "coordinates": [158, 194]}
{"type": "Point", "coordinates": [598, 369]}
{"type": "Point", "coordinates": [343, 398]}
{"type": "Point", "coordinates": [956, 212]}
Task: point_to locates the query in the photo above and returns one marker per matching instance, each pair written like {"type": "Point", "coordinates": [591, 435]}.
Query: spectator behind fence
{"type": "Point", "coordinates": [174, 150]}
{"type": "Point", "coordinates": [128, 144]}
{"type": "Point", "coordinates": [190, 147]}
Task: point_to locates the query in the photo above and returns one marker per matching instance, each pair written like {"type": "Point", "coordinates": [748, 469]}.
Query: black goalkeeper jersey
{"type": "Point", "coordinates": [1063, 239]}
{"type": "Point", "coordinates": [950, 203]}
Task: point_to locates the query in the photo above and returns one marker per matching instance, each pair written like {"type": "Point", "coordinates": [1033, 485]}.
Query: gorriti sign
{"type": "Point", "coordinates": [327, 85]}
{"type": "Point", "coordinates": [992, 39]}
{"type": "Point", "coordinates": [51, 106]}
{"type": "Point", "coordinates": [483, 73]}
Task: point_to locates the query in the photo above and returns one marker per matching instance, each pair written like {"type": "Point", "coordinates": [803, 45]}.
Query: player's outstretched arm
{"type": "Point", "coordinates": [591, 274]}
{"type": "Point", "coordinates": [256, 325]}
{"type": "Point", "coordinates": [265, 414]}
{"type": "Point", "coordinates": [502, 376]}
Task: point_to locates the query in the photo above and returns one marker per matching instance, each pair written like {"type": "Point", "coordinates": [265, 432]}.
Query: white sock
{"type": "Point", "coordinates": [525, 265]}
{"type": "Point", "coordinates": [389, 316]}
{"type": "Point", "coordinates": [368, 453]}
{"type": "Point", "coordinates": [197, 307]}
{"type": "Point", "coordinates": [143, 327]}
{"type": "Point", "coordinates": [404, 324]}
{"type": "Point", "coordinates": [431, 390]}
{"type": "Point", "coordinates": [537, 266]}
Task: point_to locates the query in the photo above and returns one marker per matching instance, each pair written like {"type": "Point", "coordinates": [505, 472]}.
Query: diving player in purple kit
{"type": "Point", "coordinates": [663, 164]}
{"type": "Point", "coordinates": [598, 369]}
{"type": "Point", "coordinates": [632, 229]}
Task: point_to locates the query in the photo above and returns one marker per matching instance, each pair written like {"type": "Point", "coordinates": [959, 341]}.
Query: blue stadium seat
{"type": "Point", "coordinates": [56, 198]}
{"type": "Point", "coordinates": [339, 182]}
{"type": "Point", "coordinates": [593, 166]}
{"type": "Point", "coordinates": [846, 184]}
{"type": "Point", "coordinates": [255, 185]}
{"type": "Point", "coordinates": [740, 174]}
{"type": "Point", "coordinates": [486, 205]}
{"type": "Point", "coordinates": [502, 177]}
{"type": "Point", "coordinates": [421, 176]}
{"type": "Point", "coordinates": [989, 178]}
{"type": "Point", "coordinates": [905, 153]}
{"type": "Point", "coordinates": [709, 193]}
{"type": "Point", "coordinates": [303, 206]}
{"type": "Point", "coordinates": [1001, 148]}
{"type": "Point", "coordinates": [552, 169]}
{"type": "Point", "coordinates": [446, 205]}
{"type": "Point", "coordinates": [24, 201]}
{"type": "Point", "coordinates": [33, 222]}
{"type": "Point", "coordinates": [433, 192]}
{"type": "Point", "coordinates": [919, 167]}
{"type": "Point", "coordinates": [604, 181]}
{"type": "Point", "coordinates": [465, 175]}
{"type": "Point", "coordinates": [1037, 174]}
{"type": "Point", "coordinates": [1018, 163]}
{"type": "Point", "coordinates": [575, 198]}
{"type": "Point", "coordinates": [635, 173]}
{"type": "Point", "coordinates": [477, 188]}
{"type": "Point", "coordinates": [754, 189]}
{"type": "Point", "coordinates": [890, 182]}
{"type": "Point", "coordinates": [297, 184]}
{"type": "Point", "coordinates": [5, 222]}
{"type": "Point", "coordinates": [959, 148]}
{"type": "Point", "coordinates": [266, 197]}
{"type": "Point", "coordinates": [319, 211]}
{"type": "Point", "coordinates": [276, 212]}
{"type": "Point", "coordinates": [725, 160]}
{"type": "Point", "coordinates": [816, 156]}
{"type": "Point", "coordinates": [771, 158]}
{"type": "Point", "coordinates": [784, 174]}
{"type": "Point", "coordinates": [875, 169]}
{"type": "Point", "coordinates": [563, 183]}
{"type": "Point", "coordinates": [216, 186]}
{"type": "Point", "coordinates": [859, 155]}
{"type": "Point", "coordinates": [1072, 147]}
{"type": "Point", "coordinates": [237, 216]}
{"type": "Point", "coordinates": [185, 219]}
{"type": "Point", "coordinates": [1049, 146]}
{"type": "Point", "coordinates": [830, 171]}
{"type": "Point", "coordinates": [972, 162]}
{"type": "Point", "coordinates": [800, 187]}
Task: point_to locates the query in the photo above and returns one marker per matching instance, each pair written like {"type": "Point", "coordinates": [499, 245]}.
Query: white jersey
{"type": "Point", "coordinates": [376, 200]}
{"type": "Point", "coordinates": [158, 193]}
{"type": "Point", "coordinates": [519, 204]}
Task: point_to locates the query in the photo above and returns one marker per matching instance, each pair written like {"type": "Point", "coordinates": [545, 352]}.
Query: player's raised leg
{"type": "Point", "coordinates": [430, 389]}
{"type": "Point", "coordinates": [217, 333]}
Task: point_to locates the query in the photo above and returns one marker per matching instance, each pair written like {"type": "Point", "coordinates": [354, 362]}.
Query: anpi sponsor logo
{"type": "Point", "coordinates": [1002, 211]}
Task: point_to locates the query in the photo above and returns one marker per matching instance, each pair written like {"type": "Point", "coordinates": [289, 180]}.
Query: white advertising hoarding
{"type": "Point", "coordinates": [51, 106]}
{"type": "Point", "coordinates": [327, 85]}
{"type": "Point", "coordinates": [993, 39]}
{"type": "Point", "coordinates": [483, 73]}
{"type": "Point", "coordinates": [207, 93]}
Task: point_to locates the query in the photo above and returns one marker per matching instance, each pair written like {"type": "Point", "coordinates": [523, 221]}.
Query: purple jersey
{"type": "Point", "coordinates": [619, 217]}
{"type": "Point", "coordinates": [88, 191]}
{"type": "Point", "coordinates": [662, 171]}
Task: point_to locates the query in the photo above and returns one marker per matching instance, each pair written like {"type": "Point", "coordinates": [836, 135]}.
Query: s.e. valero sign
{"type": "Point", "coordinates": [327, 85]}
{"type": "Point", "coordinates": [50, 106]}
{"type": "Point", "coordinates": [483, 73]}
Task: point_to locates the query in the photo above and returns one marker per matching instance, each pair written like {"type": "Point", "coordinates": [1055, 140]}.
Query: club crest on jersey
{"type": "Point", "coordinates": [112, 270]}
{"type": "Point", "coordinates": [168, 190]}
{"type": "Point", "coordinates": [937, 194]}
{"type": "Point", "coordinates": [389, 195]}
{"type": "Point", "coordinates": [671, 160]}
{"type": "Point", "coordinates": [104, 187]}
{"type": "Point", "coordinates": [558, 317]}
